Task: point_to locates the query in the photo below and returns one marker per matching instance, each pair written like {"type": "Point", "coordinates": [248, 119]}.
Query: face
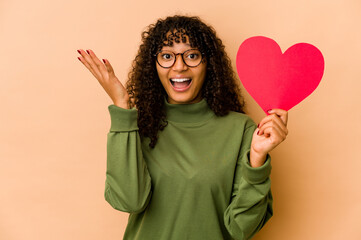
{"type": "Point", "coordinates": [181, 92]}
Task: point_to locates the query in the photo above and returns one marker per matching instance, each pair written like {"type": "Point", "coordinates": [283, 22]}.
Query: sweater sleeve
{"type": "Point", "coordinates": [251, 202]}
{"type": "Point", "coordinates": [128, 182]}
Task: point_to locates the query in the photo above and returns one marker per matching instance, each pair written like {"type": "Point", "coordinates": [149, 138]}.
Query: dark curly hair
{"type": "Point", "coordinates": [145, 89]}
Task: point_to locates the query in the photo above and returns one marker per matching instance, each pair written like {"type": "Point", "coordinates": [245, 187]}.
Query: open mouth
{"type": "Point", "coordinates": [180, 82]}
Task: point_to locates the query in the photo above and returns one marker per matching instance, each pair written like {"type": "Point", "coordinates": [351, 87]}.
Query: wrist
{"type": "Point", "coordinates": [257, 159]}
{"type": "Point", "coordinates": [122, 104]}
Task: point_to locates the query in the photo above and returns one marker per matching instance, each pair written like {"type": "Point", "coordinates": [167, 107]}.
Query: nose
{"type": "Point", "coordinates": [179, 65]}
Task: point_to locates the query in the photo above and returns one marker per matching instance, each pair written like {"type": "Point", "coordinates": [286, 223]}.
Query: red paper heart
{"type": "Point", "coordinates": [277, 80]}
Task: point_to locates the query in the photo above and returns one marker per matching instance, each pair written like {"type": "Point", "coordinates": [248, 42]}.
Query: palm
{"type": "Point", "coordinates": [104, 73]}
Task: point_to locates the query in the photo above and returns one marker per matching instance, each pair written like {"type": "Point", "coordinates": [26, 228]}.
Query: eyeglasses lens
{"type": "Point", "coordinates": [191, 57]}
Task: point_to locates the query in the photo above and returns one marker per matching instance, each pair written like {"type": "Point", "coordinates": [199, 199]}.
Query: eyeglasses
{"type": "Point", "coordinates": [191, 58]}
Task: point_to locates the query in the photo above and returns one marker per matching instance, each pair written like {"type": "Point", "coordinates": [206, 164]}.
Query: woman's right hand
{"type": "Point", "coordinates": [106, 77]}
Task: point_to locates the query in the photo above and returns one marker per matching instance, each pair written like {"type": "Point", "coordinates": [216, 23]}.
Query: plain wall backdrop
{"type": "Point", "coordinates": [54, 116]}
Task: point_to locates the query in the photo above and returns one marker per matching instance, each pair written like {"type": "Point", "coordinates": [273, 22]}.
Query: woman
{"type": "Point", "coordinates": [182, 156]}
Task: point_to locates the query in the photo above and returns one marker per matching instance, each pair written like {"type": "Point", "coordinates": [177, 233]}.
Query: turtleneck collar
{"type": "Point", "coordinates": [188, 113]}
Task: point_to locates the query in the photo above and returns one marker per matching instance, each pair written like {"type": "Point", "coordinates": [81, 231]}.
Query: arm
{"type": "Point", "coordinates": [251, 201]}
{"type": "Point", "coordinates": [128, 182]}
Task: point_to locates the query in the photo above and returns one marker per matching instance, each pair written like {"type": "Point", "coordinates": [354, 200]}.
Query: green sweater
{"type": "Point", "coordinates": [195, 184]}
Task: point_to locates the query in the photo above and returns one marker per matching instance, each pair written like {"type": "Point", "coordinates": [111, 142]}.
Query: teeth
{"type": "Point", "coordinates": [180, 79]}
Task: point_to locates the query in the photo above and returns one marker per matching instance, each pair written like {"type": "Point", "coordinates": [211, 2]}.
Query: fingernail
{"type": "Point", "coordinates": [79, 59]}
{"type": "Point", "coordinates": [87, 51]}
{"type": "Point", "coordinates": [258, 125]}
{"type": "Point", "coordinates": [104, 60]}
{"type": "Point", "coordinates": [269, 110]}
{"type": "Point", "coordinates": [79, 51]}
{"type": "Point", "coordinates": [258, 132]}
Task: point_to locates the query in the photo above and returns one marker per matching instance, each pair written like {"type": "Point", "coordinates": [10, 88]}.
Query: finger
{"type": "Point", "coordinates": [108, 67]}
{"type": "Point", "coordinates": [97, 65]}
{"type": "Point", "coordinates": [283, 114]}
{"type": "Point", "coordinates": [272, 125]}
{"type": "Point", "coordinates": [86, 64]}
{"type": "Point", "coordinates": [92, 67]}
{"type": "Point", "coordinates": [274, 120]}
{"type": "Point", "coordinates": [273, 117]}
{"type": "Point", "coordinates": [103, 68]}
{"type": "Point", "coordinates": [274, 135]}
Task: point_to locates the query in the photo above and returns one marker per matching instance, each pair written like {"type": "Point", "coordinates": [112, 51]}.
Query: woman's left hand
{"type": "Point", "coordinates": [271, 131]}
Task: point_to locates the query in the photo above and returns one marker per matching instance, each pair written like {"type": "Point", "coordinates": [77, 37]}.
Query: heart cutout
{"type": "Point", "coordinates": [277, 80]}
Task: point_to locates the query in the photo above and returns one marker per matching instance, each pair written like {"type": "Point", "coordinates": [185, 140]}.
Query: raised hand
{"type": "Point", "coordinates": [271, 131]}
{"type": "Point", "coordinates": [104, 73]}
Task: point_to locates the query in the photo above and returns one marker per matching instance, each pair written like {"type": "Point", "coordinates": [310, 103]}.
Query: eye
{"type": "Point", "coordinates": [166, 56]}
{"type": "Point", "coordinates": [193, 56]}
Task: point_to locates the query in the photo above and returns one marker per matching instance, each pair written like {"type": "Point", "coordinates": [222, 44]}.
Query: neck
{"type": "Point", "coordinates": [188, 113]}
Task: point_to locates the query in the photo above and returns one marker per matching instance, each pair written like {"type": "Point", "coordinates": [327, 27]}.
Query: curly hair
{"type": "Point", "coordinates": [145, 89]}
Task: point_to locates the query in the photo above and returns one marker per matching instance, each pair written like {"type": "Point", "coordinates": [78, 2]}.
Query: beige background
{"type": "Point", "coordinates": [54, 117]}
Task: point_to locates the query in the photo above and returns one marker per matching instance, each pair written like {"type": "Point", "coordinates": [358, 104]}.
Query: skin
{"type": "Point", "coordinates": [105, 75]}
{"type": "Point", "coordinates": [180, 69]}
{"type": "Point", "coordinates": [271, 131]}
